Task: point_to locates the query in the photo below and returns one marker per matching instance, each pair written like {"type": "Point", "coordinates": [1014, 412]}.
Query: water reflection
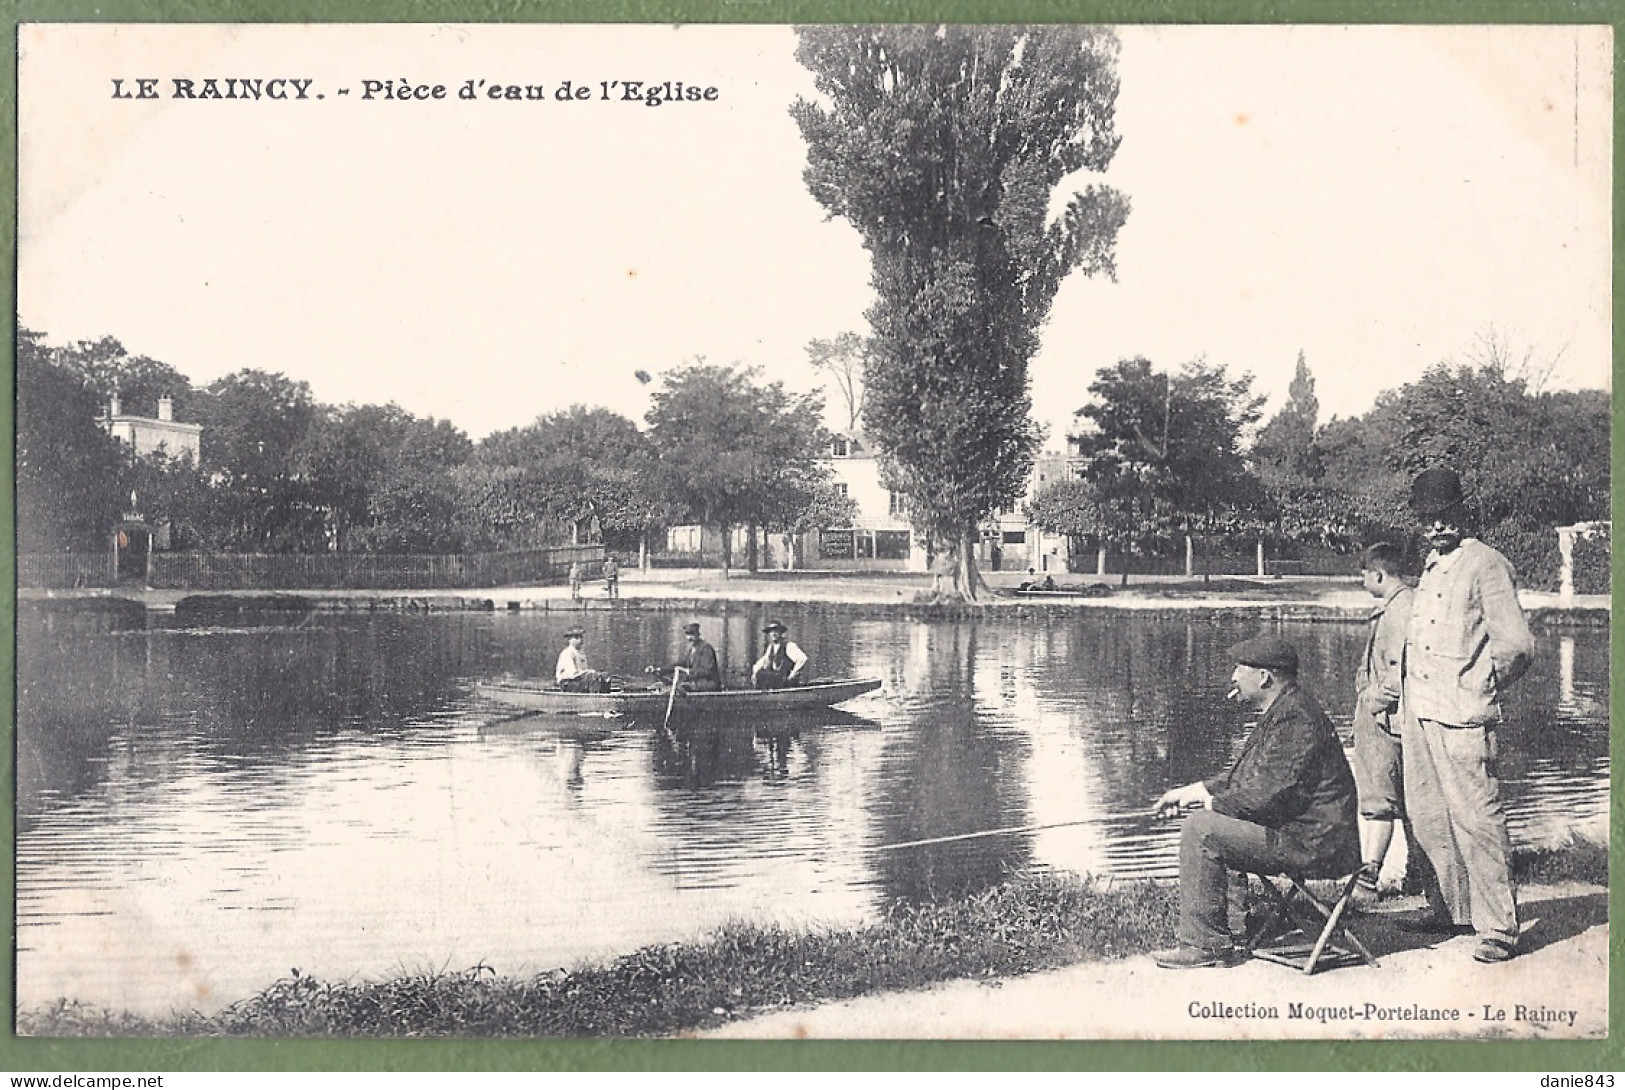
{"type": "Point", "coordinates": [328, 793]}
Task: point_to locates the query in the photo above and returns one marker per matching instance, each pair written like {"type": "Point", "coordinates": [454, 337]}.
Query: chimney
{"type": "Point", "coordinates": [166, 408]}
{"type": "Point", "coordinates": [115, 407]}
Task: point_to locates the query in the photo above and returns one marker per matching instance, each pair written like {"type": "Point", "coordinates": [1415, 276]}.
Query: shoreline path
{"type": "Point", "coordinates": [687, 588]}
{"type": "Point", "coordinates": [1556, 989]}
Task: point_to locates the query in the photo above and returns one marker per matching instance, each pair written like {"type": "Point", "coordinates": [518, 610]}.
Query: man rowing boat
{"type": "Point", "coordinates": [698, 668]}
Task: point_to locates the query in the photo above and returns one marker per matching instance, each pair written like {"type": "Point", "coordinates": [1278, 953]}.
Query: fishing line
{"type": "Point", "coordinates": [1008, 831]}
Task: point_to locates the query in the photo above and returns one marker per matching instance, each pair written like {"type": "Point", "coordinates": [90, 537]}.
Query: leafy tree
{"type": "Point", "coordinates": [566, 467]}
{"type": "Point", "coordinates": [496, 507]}
{"type": "Point", "coordinates": [107, 368]}
{"type": "Point", "coordinates": [254, 427]}
{"type": "Point", "coordinates": [172, 491]}
{"type": "Point", "coordinates": [943, 147]}
{"type": "Point", "coordinates": [1529, 462]}
{"type": "Point", "coordinates": [1163, 452]}
{"type": "Point", "coordinates": [844, 360]}
{"type": "Point", "coordinates": [735, 453]}
{"type": "Point", "coordinates": [69, 469]}
{"type": "Point", "coordinates": [1286, 450]}
{"type": "Point", "coordinates": [1076, 509]}
{"type": "Point", "coordinates": [414, 508]}
{"type": "Point", "coordinates": [1307, 505]}
{"type": "Point", "coordinates": [383, 477]}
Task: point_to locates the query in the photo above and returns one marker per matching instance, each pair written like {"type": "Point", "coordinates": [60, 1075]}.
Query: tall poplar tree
{"type": "Point", "coordinates": [943, 146]}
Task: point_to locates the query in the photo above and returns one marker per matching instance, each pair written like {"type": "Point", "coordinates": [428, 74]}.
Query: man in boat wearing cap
{"type": "Point", "coordinates": [783, 664]}
{"type": "Point", "coordinates": [698, 667]}
{"type": "Point", "coordinates": [572, 673]}
{"type": "Point", "coordinates": [1286, 805]}
{"type": "Point", "coordinates": [1467, 641]}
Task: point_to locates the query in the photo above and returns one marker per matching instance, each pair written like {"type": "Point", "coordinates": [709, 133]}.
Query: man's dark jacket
{"type": "Point", "coordinates": [1291, 775]}
{"type": "Point", "coordinates": [700, 660]}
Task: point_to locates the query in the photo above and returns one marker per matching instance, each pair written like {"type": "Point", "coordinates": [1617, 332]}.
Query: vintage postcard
{"type": "Point", "coordinates": [999, 532]}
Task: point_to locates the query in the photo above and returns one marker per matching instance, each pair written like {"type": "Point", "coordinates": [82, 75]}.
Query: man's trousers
{"type": "Point", "coordinates": [1213, 850]}
{"type": "Point", "coordinates": [1454, 804]}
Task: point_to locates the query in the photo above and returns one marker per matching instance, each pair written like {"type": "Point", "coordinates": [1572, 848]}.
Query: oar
{"type": "Point", "coordinates": [676, 672]}
{"type": "Point", "coordinates": [529, 713]}
{"type": "Point", "coordinates": [1006, 831]}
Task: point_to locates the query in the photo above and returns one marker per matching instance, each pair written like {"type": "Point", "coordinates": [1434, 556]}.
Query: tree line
{"type": "Point", "coordinates": [1160, 455]}
{"type": "Point", "coordinates": [279, 471]}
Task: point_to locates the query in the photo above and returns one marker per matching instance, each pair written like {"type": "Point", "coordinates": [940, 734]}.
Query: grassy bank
{"type": "Point", "coordinates": [1021, 926]}
{"type": "Point", "coordinates": [1025, 925]}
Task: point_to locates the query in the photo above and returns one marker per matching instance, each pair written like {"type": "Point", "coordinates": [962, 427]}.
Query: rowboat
{"type": "Point", "coordinates": [540, 697]}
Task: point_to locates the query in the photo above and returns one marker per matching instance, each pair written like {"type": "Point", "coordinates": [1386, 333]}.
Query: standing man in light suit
{"type": "Point", "coordinates": [1467, 642]}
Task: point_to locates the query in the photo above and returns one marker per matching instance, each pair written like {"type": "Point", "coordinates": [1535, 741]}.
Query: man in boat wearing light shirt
{"type": "Point", "coordinates": [572, 673]}
{"type": "Point", "coordinates": [783, 664]}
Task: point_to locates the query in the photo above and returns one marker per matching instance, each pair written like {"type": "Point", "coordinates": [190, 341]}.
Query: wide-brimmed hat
{"type": "Point", "coordinates": [691, 629]}
{"type": "Point", "coordinates": [1268, 653]}
{"type": "Point", "coordinates": [1434, 491]}
{"type": "Point", "coordinates": [774, 626]}
{"type": "Point", "coordinates": [569, 632]}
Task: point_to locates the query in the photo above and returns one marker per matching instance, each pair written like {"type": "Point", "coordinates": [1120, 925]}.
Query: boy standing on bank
{"type": "Point", "coordinates": [1378, 763]}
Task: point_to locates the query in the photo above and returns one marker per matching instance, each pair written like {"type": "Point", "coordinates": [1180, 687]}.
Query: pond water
{"type": "Point", "coordinates": [203, 809]}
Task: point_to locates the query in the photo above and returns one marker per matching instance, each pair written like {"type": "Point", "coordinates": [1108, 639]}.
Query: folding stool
{"type": "Point", "coordinates": [1305, 939]}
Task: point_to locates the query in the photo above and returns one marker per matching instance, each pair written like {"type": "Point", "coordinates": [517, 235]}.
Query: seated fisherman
{"type": "Point", "coordinates": [572, 673]}
{"type": "Point", "coordinates": [698, 668]}
{"type": "Point", "coordinates": [783, 664]}
{"type": "Point", "coordinates": [1286, 804]}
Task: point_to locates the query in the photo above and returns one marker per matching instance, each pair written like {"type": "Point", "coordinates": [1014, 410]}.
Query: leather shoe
{"type": "Point", "coordinates": [1492, 951]}
{"type": "Point", "coordinates": [1432, 925]}
{"type": "Point", "coordinates": [1191, 957]}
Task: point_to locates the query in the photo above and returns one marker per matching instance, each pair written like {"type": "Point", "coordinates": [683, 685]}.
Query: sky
{"type": "Point", "coordinates": [1380, 199]}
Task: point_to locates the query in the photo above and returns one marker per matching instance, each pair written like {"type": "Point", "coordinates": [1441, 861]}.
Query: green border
{"type": "Point", "coordinates": [35, 1056]}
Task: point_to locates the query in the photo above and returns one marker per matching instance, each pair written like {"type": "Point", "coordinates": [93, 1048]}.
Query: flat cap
{"type": "Point", "coordinates": [1434, 491]}
{"type": "Point", "coordinates": [1268, 653]}
{"type": "Point", "coordinates": [691, 629]}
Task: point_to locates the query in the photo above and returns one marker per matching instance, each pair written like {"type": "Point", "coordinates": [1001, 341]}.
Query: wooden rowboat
{"type": "Point", "coordinates": [540, 697]}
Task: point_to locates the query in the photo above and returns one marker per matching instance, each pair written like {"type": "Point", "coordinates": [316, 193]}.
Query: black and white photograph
{"type": "Point", "coordinates": [997, 532]}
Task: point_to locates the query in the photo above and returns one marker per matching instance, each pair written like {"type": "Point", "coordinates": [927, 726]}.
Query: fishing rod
{"type": "Point", "coordinates": [1009, 831]}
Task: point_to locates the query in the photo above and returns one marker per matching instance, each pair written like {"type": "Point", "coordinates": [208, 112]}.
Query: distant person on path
{"type": "Point", "coordinates": [572, 673]}
{"type": "Point", "coordinates": [698, 667]}
{"type": "Point", "coordinates": [783, 664]}
{"type": "Point", "coordinates": [612, 576]}
{"type": "Point", "coordinates": [1286, 804]}
{"type": "Point", "coordinates": [1467, 642]}
{"type": "Point", "coordinates": [1378, 765]}
{"type": "Point", "coordinates": [575, 579]}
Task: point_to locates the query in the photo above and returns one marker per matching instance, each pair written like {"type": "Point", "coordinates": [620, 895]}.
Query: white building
{"type": "Point", "coordinates": [148, 435]}
{"type": "Point", "coordinates": [880, 537]}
